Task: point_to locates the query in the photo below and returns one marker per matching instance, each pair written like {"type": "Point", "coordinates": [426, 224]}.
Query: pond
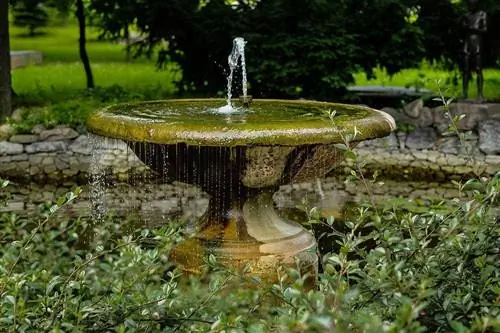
{"type": "Point", "coordinates": [149, 205]}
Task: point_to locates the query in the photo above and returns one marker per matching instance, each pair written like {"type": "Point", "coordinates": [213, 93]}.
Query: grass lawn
{"type": "Point", "coordinates": [60, 44]}
{"type": "Point", "coordinates": [57, 81]}
{"type": "Point", "coordinates": [427, 77]}
{"type": "Point", "coordinates": [62, 74]}
{"type": "Point", "coordinates": [57, 87]}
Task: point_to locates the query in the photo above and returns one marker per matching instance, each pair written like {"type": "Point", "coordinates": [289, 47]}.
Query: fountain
{"type": "Point", "coordinates": [240, 155]}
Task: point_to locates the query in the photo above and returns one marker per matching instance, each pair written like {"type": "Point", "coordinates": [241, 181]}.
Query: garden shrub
{"type": "Point", "coordinates": [395, 271]}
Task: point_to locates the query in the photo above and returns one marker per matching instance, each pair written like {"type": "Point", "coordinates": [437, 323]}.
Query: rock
{"type": "Point", "coordinates": [390, 141]}
{"type": "Point", "coordinates": [38, 147]}
{"type": "Point", "coordinates": [426, 117]}
{"type": "Point", "coordinates": [58, 134]}
{"type": "Point", "coordinates": [489, 137]}
{"type": "Point", "coordinates": [10, 148]}
{"type": "Point", "coordinates": [37, 129]}
{"type": "Point", "coordinates": [412, 109]}
{"type": "Point", "coordinates": [401, 136]}
{"type": "Point", "coordinates": [470, 115]}
{"type": "Point", "coordinates": [449, 145]}
{"type": "Point", "coordinates": [20, 157]}
{"type": "Point", "coordinates": [81, 145]}
{"type": "Point", "coordinates": [6, 131]}
{"type": "Point", "coordinates": [18, 114]}
{"type": "Point", "coordinates": [391, 111]}
{"type": "Point", "coordinates": [421, 138]}
{"type": "Point", "coordinates": [24, 138]}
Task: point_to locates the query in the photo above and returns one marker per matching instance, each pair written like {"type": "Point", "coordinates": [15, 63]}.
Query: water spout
{"type": "Point", "coordinates": [237, 56]}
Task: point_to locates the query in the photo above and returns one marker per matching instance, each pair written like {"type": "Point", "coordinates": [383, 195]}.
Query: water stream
{"type": "Point", "coordinates": [236, 59]}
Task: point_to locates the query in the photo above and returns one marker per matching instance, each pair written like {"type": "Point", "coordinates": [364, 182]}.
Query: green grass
{"type": "Point", "coordinates": [55, 91]}
{"type": "Point", "coordinates": [427, 77]}
{"type": "Point", "coordinates": [60, 44]}
{"type": "Point", "coordinates": [64, 79]}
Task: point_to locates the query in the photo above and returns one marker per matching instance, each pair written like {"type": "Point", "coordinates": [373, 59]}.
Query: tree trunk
{"type": "Point", "coordinates": [5, 76]}
{"type": "Point", "coordinates": [80, 14]}
{"type": "Point", "coordinates": [127, 43]}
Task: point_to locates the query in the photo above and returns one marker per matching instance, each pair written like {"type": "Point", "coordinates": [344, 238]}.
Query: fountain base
{"type": "Point", "coordinates": [249, 236]}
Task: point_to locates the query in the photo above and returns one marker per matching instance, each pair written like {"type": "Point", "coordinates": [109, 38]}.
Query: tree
{"type": "Point", "coordinates": [115, 17]}
{"type": "Point", "coordinates": [296, 48]}
{"type": "Point", "coordinates": [5, 76]}
{"type": "Point", "coordinates": [30, 14]}
{"type": "Point", "coordinates": [80, 14]}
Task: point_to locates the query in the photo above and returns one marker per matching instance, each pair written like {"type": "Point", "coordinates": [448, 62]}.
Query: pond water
{"type": "Point", "coordinates": [158, 203]}
{"type": "Point", "coordinates": [149, 205]}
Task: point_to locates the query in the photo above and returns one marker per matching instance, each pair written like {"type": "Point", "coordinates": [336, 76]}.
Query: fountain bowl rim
{"type": "Point", "coordinates": [376, 124]}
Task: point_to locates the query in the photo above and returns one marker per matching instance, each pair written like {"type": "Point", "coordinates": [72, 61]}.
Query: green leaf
{"type": "Point", "coordinates": [340, 146]}
{"type": "Point", "coordinates": [458, 327]}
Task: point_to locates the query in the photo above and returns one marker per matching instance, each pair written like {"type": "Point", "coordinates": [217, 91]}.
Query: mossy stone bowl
{"type": "Point", "coordinates": [272, 143]}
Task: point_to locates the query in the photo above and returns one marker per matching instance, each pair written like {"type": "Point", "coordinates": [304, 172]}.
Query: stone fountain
{"type": "Point", "coordinates": [240, 158]}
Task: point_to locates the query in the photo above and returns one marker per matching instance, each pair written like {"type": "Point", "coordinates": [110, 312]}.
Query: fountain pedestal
{"type": "Point", "coordinates": [246, 233]}
{"type": "Point", "coordinates": [240, 159]}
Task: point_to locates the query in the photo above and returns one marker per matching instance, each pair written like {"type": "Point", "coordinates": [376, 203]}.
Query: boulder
{"type": "Point", "coordinates": [58, 134]}
{"type": "Point", "coordinates": [470, 115]}
{"type": "Point", "coordinates": [489, 136]}
{"type": "Point", "coordinates": [413, 109]}
{"type": "Point", "coordinates": [18, 114]}
{"type": "Point", "coordinates": [6, 131]}
{"type": "Point", "coordinates": [81, 145]}
{"type": "Point", "coordinates": [24, 138]}
{"type": "Point", "coordinates": [421, 138]}
{"type": "Point", "coordinates": [10, 148]}
{"type": "Point", "coordinates": [39, 147]}
{"type": "Point", "coordinates": [37, 129]}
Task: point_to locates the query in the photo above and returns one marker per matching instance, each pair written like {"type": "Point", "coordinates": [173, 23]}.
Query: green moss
{"type": "Point", "coordinates": [276, 122]}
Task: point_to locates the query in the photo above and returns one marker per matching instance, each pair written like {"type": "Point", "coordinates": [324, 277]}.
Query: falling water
{"type": "Point", "coordinates": [97, 179]}
{"type": "Point", "coordinates": [238, 53]}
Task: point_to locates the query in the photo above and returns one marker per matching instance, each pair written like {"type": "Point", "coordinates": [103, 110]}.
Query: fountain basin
{"type": "Point", "coordinates": [270, 144]}
{"type": "Point", "coordinates": [240, 159]}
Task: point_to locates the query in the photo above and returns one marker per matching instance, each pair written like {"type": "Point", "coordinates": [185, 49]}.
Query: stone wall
{"type": "Point", "coordinates": [426, 142]}
{"type": "Point", "coordinates": [423, 148]}
{"type": "Point", "coordinates": [62, 153]}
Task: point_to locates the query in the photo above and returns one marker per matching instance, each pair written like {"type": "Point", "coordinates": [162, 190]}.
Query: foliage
{"type": "Point", "coordinates": [331, 43]}
{"type": "Point", "coordinates": [394, 271]}
{"type": "Point", "coordinates": [52, 108]}
{"type": "Point", "coordinates": [296, 48]}
{"type": "Point", "coordinates": [31, 14]}
{"type": "Point", "coordinates": [440, 21]}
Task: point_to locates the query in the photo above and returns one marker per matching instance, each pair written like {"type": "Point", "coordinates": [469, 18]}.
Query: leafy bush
{"type": "Point", "coordinates": [76, 108]}
{"type": "Point", "coordinates": [395, 271]}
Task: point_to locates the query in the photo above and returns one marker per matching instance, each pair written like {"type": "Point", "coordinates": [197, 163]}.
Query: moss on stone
{"type": "Point", "coordinates": [269, 122]}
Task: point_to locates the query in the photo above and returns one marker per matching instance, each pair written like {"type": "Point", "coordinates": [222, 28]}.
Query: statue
{"type": "Point", "coordinates": [475, 26]}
